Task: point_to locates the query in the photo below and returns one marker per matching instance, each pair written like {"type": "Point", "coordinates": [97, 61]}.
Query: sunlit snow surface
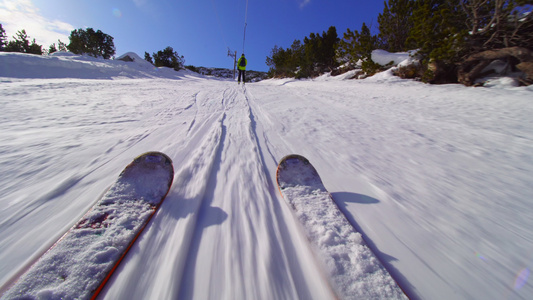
{"type": "Point", "coordinates": [437, 179]}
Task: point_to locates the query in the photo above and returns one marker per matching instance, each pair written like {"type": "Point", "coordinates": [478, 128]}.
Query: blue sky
{"type": "Point", "coordinates": [200, 30]}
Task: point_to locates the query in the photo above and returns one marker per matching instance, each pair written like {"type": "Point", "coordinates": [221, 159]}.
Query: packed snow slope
{"type": "Point", "coordinates": [436, 178]}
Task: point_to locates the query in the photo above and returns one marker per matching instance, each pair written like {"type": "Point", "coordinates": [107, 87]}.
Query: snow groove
{"type": "Point", "coordinates": [194, 104]}
{"type": "Point", "coordinates": [279, 227]}
{"type": "Point", "coordinates": [200, 171]}
{"type": "Point", "coordinates": [239, 231]}
{"type": "Point", "coordinates": [202, 213]}
{"type": "Point", "coordinates": [258, 143]}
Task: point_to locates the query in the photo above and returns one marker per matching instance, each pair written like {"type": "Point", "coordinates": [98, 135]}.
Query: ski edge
{"type": "Point", "coordinates": [113, 269]}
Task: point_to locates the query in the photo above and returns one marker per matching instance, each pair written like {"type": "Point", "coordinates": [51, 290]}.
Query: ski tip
{"type": "Point", "coordinates": [296, 170]}
{"type": "Point", "coordinates": [290, 160]}
{"type": "Point", "coordinates": [293, 157]}
{"type": "Point", "coordinates": [154, 156]}
{"type": "Point", "coordinates": [151, 159]}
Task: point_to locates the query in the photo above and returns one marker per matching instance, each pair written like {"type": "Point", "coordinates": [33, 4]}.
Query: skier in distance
{"type": "Point", "coordinates": [241, 65]}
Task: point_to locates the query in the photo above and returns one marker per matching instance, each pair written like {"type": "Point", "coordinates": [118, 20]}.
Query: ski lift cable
{"type": "Point", "coordinates": [245, 24]}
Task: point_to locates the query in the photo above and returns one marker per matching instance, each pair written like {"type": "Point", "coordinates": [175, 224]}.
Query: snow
{"type": "Point", "coordinates": [437, 179]}
{"type": "Point", "coordinates": [383, 57]}
{"type": "Point", "coordinates": [67, 65]}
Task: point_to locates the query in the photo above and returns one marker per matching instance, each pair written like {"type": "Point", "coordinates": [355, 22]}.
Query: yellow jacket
{"type": "Point", "coordinates": [244, 63]}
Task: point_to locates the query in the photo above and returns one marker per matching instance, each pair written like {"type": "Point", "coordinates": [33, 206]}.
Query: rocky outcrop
{"type": "Point", "coordinates": [517, 59]}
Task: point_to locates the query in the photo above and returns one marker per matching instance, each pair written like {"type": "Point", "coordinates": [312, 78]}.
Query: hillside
{"type": "Point", "coordinates": [437, 179]}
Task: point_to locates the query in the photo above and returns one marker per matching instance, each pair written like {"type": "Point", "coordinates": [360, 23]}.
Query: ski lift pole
{"type": "Point", "coordinates": [234, 55]}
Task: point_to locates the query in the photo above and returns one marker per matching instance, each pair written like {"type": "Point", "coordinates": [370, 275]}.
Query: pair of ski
{"type": "Point", "coordinates": [80, 263]}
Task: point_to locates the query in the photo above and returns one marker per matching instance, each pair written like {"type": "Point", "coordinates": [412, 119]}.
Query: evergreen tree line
{"type": "Point", "coordinates": [314, 56]}
{"type": "Point", "coordinates": [85, 41]}
{"type": "Point", "coordinates": [20, 43]}
{"type": "Point", "coordinates": [445, 33]}
{"type": "Point", "coordinates": [82, 41]}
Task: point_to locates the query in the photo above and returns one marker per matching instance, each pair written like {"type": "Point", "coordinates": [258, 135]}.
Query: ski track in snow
{"type": "Point", "coordinates": [436, 178]}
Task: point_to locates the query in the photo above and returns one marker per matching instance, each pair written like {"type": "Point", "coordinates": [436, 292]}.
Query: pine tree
{"type": "Point", "coordinates": [329, 42]}
{"type": "Point", "coordinates": [52, 48]}
{"type": "Point", "coordinates": [395, 24]}
{"type": "Point", "coordinates": [345, 50]}
{"type": "Point", "coordinates": [439, 30]}
{"type": "Point", "coordinates": [356, 46]}
{"type": "Point", "coordinates": [440, 34]}
{"type": "Point", "coordinates": [61, 46]}
{"type": "Point", "coordinates": [319, 53]}
{"type": "Point", "coordinates": [22, 44]}
{"type": "Point", "coordinates": [169, 58]}
{"type": "Point", "coordinates": [148, 58]}
{"type": "Point", "coordinates": [308, 65]}
{"type": "Point", "coordinates": [279, 62]}
{"type": "Point", "coordinates": [296, 56]}
{"type": "Point", "coordinates": [367, 42]}
{"type": "Point", "coordinates": [35, 48]}
{"type": "Point", "coordinates": [315, 56]}
{"type": "Point", "coordinates": [93, 43]}
{"type": "Point", "coordinates": [3, 38]}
